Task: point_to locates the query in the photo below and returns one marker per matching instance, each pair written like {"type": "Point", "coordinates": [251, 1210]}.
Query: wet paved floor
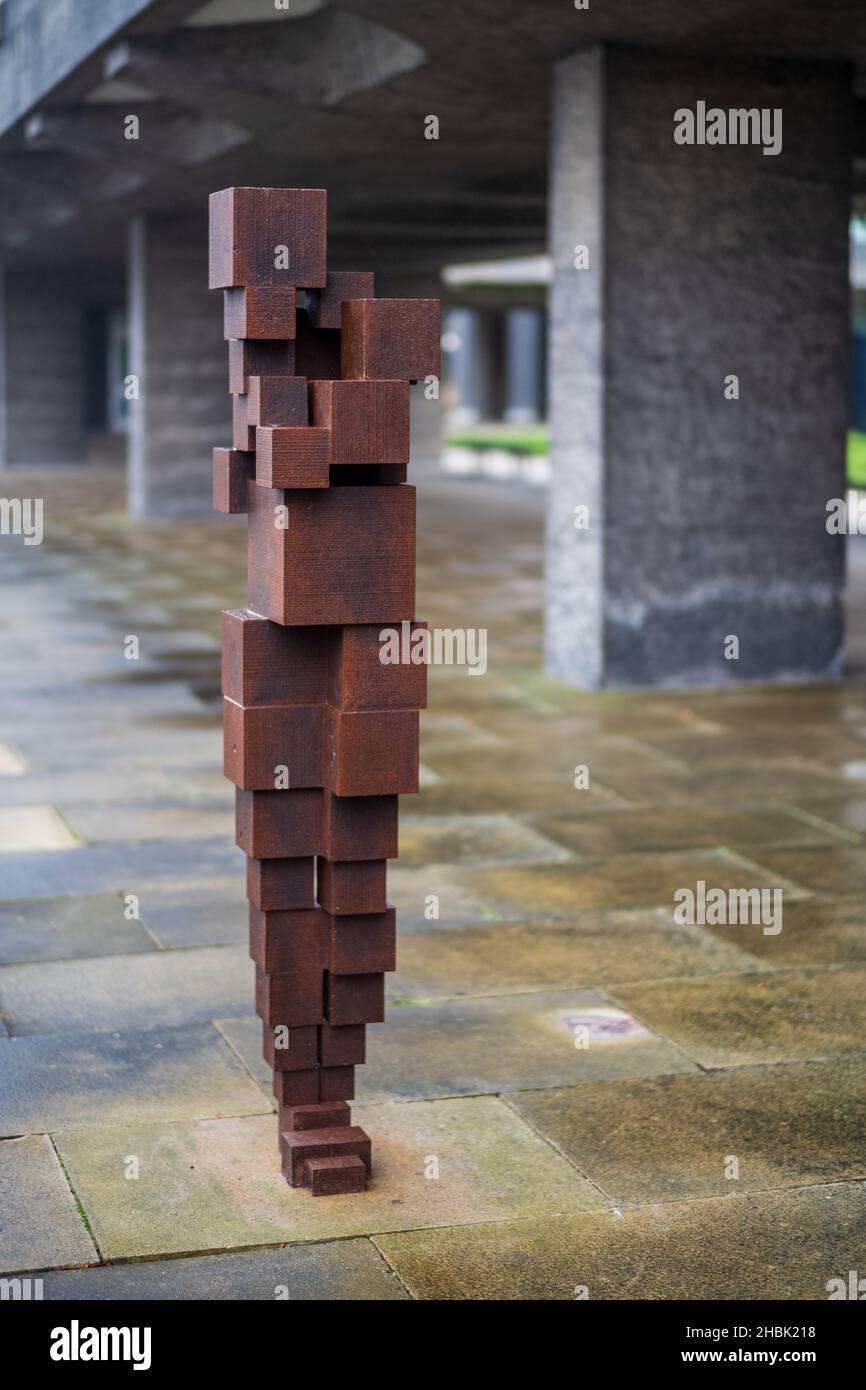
{"type": "Point", "coordinates": [573, 1090]}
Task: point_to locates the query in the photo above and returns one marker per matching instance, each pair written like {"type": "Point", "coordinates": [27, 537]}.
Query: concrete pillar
{"type": "Point", "coordinates": [707, 515]}
{"type": "Point", "coordinates": [489, 365]}
{"type": "Point", "coordinates": [523, 357]}
{"type": "Point", "coordinates": [41, 369]}
{"type": "Point", "coordinates": [177, 353]}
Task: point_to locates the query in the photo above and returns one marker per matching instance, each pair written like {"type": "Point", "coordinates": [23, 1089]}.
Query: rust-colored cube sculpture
{"type": "Point", "coordinates": [321, 728]}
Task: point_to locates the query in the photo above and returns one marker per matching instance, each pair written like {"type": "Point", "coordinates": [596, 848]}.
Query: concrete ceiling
{"type": "Point", "coordinates": [322, 95]}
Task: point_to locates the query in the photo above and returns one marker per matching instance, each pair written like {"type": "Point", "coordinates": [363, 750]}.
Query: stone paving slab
{"type": "Point", "coordinates": [831, 748]}
{"type": "Point", "coordinates": [506, 1043]}
{"type": "Point", "coordinates": [94, 705]}
{"type": "Point", "coordinates": [735, 1020]}
{"type": "Point", "coordinates": [673, 1138]}
{"type": "Point", "coordinates": [159, 990]}
{"type": "Point", "coordinates": [495, 1044]}
{"type": "Point", "coordinates": [845, 814]}
{"type": "Point", "coordinates": [594, 948]}
{"type": "Point", "coordinates": [456, 905]}
{"type": "Point", "coordinates": [217, 1184]}
{"type": "Point", "coordinates": [773, 1245]}
{"type": "Point", "coordinates": [787, 781]}
{"type": "Point", "coordinates": [214, 912]}
{"type": "Point", "coordinates": [122, 867]}
{"type": "Point", "coordinates": [450, 731]}
{"type": "Point", "coordinates": [838, 870]}
{"type": "Point", "coordinates": [244, 1037]}
{"type": "Point", "coordinates": [553, 892]}
{"type": "Point", "coordinates": [29, 828]}
{"type": "Point", "coordinates": [154, 1076]}
{"type": "Point", "coordinates": [40, 1227]}
{"type": "Point", "coordinates": [642, 831]}
{"type": "Point", "coordinates": [476, 840]}
{"type": "Point", "coordinates": [351, 1270]}
{"type": "Point", "coordinates": [110, 785]}
{"type": "Point", "coordinates": [541, 791]}
{"type": "Point", "coordinates": [816, 931]}
{"type": "Point", "coordinates": [155, 820]}
{"type": "Point", "coordinates": [121, 745]}
{"type": "Point", "coordinates": [40, 929]}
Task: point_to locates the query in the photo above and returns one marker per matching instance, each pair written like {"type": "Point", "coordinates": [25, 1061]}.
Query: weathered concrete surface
{"type": "Point", "coordinates": [784, 1245]}
{"type": "Point", "coordinates": [556, 912]}
{"type": "Point", "coordinates": [674, 1138]}
{"type": "Point", "coordinates": [40, 1227]}
{"type": "Point", "coordinates": [45, 42]}
{"type": "Point", "coordinates": [147, 1075]}
{"type": "Point", "coordinates": [216, 1184]}
{"type": "Point", "coordinates": [706, 515]}
{"type": "Point", "coordinates": [327, 1271]}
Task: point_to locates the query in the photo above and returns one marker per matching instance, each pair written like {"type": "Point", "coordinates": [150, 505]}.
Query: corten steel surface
{"type": "Point", "coordinates": [320, 736]}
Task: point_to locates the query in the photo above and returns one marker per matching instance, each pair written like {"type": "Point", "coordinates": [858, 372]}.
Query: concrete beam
{"type": "Point", "coordinates": [252, 72]}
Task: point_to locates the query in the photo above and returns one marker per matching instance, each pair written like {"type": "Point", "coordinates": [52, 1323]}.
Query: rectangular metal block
{"type": "Point", "coordinates": [358, 827]}
{"type": "Point", "coordinates": [285, 1091]}
{"type": "Point", "coordinates": [297, 1146]}
{"type": "Point", "coordinates": [342, 1046]}
{"type": "Point", "coordinates": [258, 357]}
{"type": "Point", "coordinates": [293, 457]}
{"type": "Point", "coordinates": [362, 945]}
{"type": "Point", "coordinates": [368, 420]}
{"type": "Point", "coordinates": [323, 306]}
{"type": "Point", "coordinates": [291, 1049]}
{"type": "Point", "coordinates": [298, 1087]}
{"type": "Point", "coordinates": [289, 1000]}
{"type": "Point", "coordinates": [335, 1177]}
{"type": "Point", "coordinates": [351, 888]}
{"type": "Point", "coordinates": [281, 885]}
{"type": "Point", "coordinates": [243, 434]}
{"type": "Point", "coordinates": [345, 555]}
{"type": "Point", "coordinates": [336, 1083]}
{"type": "Point", "coordinates": [324, 1115]}
{"type": "Point", "coordinates": [279, 824]}
{"type": "Point", "coordinates": [354, 999]}
{"type": "Point", "coordinates": [266, 664]}
{"type": "Point", "coordinates": [277, 400]}
{"type": "Point", "coordinates": [268, 236]}
{"type": "Point", "coordinates": [232, 470]}
{"type": "Point", "coordinates": [372, 752]}
{"type": "Point", "coordinates": [289, 943]}
{"type": "Point", "coordinates": [391, 338]}
{"type": "Point", "coordinates": [273, 747]}
{"type": "Point", "coordinates": [369, 670]}
{"type": "Point", "coordinates": [259, 313]}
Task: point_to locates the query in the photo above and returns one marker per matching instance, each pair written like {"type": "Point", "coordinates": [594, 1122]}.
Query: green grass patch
{"type": "Point", "coordinates": [533, 440]}
{"type": "Point", "coordinates": [857, 459]}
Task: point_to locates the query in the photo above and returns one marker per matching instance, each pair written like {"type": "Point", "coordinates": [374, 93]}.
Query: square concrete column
{"type": "Point", "coordinates": [698, 372]}
{"type": "Point", "coordinates": [180, 403]}
{"type": "Point", "coordinates": [41, 369]}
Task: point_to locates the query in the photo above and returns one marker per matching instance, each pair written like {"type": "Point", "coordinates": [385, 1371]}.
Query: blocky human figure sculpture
{"type": "Point", "coordinates": [321, 736]}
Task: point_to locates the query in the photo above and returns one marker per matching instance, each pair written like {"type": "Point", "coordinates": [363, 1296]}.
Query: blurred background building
{"type": "Point", "coordinates": [601, 283]}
